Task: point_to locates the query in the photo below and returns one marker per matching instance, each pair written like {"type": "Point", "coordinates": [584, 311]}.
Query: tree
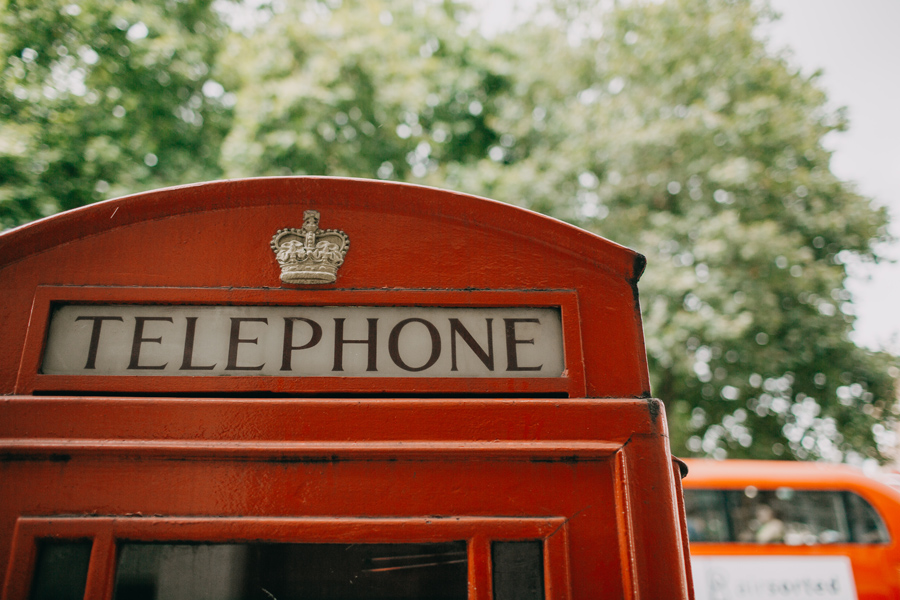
{"type": "Point", "coordinates": [746, 313]}
{"type": "Point", "coordinates": [683, 137]}
{"type": "Point", "coordinates": [668, 127]}
{"type": "Point", "coordinates": [380, 89]}
{"type": "Point", "coordinates": [102, 98]}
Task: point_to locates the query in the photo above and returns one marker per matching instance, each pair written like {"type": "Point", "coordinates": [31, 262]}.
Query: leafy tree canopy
{"type": "Point", "coordinates": [101, 98]}
{"type": "Point", "coordinates": [668, 127]}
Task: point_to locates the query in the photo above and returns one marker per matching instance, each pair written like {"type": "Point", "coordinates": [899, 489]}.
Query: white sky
{"type": "Point", "coordinates": [857, 46]}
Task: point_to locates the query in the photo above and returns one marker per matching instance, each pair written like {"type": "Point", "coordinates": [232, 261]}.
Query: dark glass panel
{"type": "Point", "coordinates": [518, 570]}
{"type": "Point", "coordinates": [61, 570]}
{"type": "Point", "coordinates": [264, 571]}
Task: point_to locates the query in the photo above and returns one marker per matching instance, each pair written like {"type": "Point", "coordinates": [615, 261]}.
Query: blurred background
{"type": "Point", "coordinates": [697, 132]}
{"type": "Point", "coordinates": [855, 49]}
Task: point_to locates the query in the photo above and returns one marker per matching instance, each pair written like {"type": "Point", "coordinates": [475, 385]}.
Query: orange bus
{"type": "Point", "coordinates": [790, 530]}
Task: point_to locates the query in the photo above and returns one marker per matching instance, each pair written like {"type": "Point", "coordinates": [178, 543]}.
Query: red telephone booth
{"type": "Point", "coordinates": [328, 388]}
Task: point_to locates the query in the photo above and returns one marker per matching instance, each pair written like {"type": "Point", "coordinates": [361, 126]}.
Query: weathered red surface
{"type": "Point", "coordinates": [593, 460]}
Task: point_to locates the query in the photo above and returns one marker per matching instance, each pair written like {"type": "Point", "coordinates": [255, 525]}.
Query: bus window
{"type": "Point", "coordinates": [782, 516]}
{"type": "Point", "coordinates": [866, 525]}
{"type": "Point", "coordinates": [786, 516]}
{"type": "Point", "coordinates": [263, 571]}
{"type": "Point", "coordinates": [707, 520]}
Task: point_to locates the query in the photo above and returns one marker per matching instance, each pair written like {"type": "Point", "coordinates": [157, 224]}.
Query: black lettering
{"type": "Point", "coordinates": [235, 340]}
{"type": "Point", "coordinates": [394, 344]}
{"type": "Point", "coordinates": [288, 351]}
{"type": "Point", "coordinates": [512, 343]}
{"type": "Point", "coordinates": [139, 339]}
{"type": "Point", "coordinates": [339, 342]}
{"type": "Point", "coordinates": [95, 338]}
{"type": "Point", "coordinates": [189, 348]}
{"type": "Point", "coordinates": [486, 357]}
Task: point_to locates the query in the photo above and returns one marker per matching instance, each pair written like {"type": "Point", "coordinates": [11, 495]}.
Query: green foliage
{"type": "Point", "coordinates": [102, 98]}
{"type": "Point", "coordinates": [702, 150]}
{"type": "Point", "coordinates": [668, 127]}
{"type": "Point", "coordinates": [376, 89]}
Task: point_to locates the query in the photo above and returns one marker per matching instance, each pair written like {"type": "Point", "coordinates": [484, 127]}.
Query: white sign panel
{"type": "Point", "coordinates": [773, 578]}
{"type": "Point", "coordinates": [330, 341]}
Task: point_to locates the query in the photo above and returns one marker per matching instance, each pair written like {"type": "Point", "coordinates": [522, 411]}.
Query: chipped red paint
{"type": "Point", "coordinates": [580, 461]}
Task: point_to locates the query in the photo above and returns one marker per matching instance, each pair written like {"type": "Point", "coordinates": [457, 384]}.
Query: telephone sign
{"type": "Point", "coordinates": [345, 341]}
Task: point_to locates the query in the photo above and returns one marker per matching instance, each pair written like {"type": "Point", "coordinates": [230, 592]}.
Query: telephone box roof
{"type": "Point", "coordinates": [219, 236]}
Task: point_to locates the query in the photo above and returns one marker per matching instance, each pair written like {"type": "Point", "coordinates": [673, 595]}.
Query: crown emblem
{"type": "Point", "coordinates": [310, 255]}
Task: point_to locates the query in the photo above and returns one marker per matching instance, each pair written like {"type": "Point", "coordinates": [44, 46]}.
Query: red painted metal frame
{"type": "Point", "coordinates": [30, 380]}
{"type": "Point", "coordinates": [107, 532]}
{"type": "Point", "coordinates": [220, 454]}
{"type": "Point", "coordinates": [452, 457]}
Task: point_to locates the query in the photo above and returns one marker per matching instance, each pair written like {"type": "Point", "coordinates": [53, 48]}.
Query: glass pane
{"type": "Point", "coordinates": [866, 526]}
{"type": "Point", "coordinates": [788, 516]}
{"type": "Point", "coordinates": [260, 571]}
{"type": "Point", "coordinates": [707, 520]}
{"type": "Point", "coordinates": [61, 570]}
{"type": "Point", "coordinates": [518, 570]}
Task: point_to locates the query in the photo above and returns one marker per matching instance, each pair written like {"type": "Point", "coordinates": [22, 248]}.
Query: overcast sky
{"type": "Point", "coordinates": [856, 45]}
